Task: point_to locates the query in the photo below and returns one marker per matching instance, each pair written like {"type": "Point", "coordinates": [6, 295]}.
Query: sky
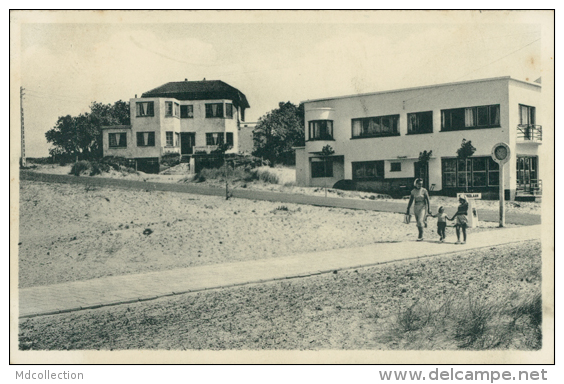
{"type": "Point", "coordinates": [69, 62]}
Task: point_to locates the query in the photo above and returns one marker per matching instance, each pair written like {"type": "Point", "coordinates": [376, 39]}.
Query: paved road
{"type": "Point", "coordinates": [113, 290]}
{"type": "Point", "coordinates": [371, 205]}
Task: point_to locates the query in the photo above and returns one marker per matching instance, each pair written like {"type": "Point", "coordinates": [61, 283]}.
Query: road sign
{"type": "Point", "coordinates": [501, 155]}
{"type": "Point", "coordinates": [469, 195]}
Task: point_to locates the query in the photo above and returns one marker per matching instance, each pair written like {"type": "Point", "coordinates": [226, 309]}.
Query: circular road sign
{"type": "Point", "coordinates": [501, 153]}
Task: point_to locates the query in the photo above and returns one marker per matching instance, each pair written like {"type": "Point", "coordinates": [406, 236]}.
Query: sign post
{"type": "Point", "coordinates": [501, 155]}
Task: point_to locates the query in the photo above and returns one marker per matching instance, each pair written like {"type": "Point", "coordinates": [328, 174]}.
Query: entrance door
{"type": "Point", "coordinates": [422, 172]}
{"type": "Point", "coordinates": [527, 173]}
{"type": "Point", "coordinates": [187, 143]}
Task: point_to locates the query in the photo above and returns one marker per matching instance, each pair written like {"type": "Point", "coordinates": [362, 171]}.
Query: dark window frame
{"type": "Point", "coordinates": [418, 117]}
{"type": "Point", "coordinates": [172, 109]}
{"type": "Point", "coordinates": [210, 139]}
{"type": "Point", "coordinates": [457, 119]}
{"type": "Point", "coordinates": [228, 110]}
{"type": "Point", "coordinates": [368, 170]}
{"type": "Point", "coordinates": [491, 172]}
{"type": "Point", "coordinates": [395, 166]}
{"type": "Point", "coordinates": [229, 138]}
{"type": "Point", "coordinates": [321, 169]}
{"type": "Point", "coordinates": [365, 123]}
{"type": "Point", "coordinates": [531, 114]}
{"type": "Point", "coordinates": [169, 138]}
{"type": "Point", "coordinates": [185, 112]}
{"type": "Point", "coordinates": [117, 141]}
{"type": "Point", "coordinates": [150, 109]}
{"type": "Point", "coordinates": [325, 131]}
{"type": "Point", "coordinates": [219, 111]}
{"type": "Point", "coordinates": [150, 139]}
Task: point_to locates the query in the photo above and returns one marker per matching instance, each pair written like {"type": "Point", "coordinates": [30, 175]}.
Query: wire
{"type": "Point", "coordinates": [474, 70]}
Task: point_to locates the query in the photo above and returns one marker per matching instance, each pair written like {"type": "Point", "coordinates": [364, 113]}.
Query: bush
{"type": "Point", "coordinates": [265, 175]}
{"type": "Point", "coordinates": [80, 167]}
{"type": "Point", "coordinates": [117, 163]}
{"type": "Point", "coordinates": [345, 185]}
{"type": "Point", "coordinates": [170, 159]}
{"type": "Point", "coordinates": [97, 168]}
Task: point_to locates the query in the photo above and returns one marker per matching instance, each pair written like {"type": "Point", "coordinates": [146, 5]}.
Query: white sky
{"type": "Point", "coordinates": [68, 62]}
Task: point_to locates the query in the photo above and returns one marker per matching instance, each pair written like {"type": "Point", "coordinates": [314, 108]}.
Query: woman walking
{"type": "Point", "coordinates": [421, 205]}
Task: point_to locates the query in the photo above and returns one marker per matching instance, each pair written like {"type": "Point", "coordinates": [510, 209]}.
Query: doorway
{"type": "Point", "coordinates": [187, 143]}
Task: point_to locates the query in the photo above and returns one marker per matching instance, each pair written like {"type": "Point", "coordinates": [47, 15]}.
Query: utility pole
{"type": "Point", "coordinates": [23, 162]}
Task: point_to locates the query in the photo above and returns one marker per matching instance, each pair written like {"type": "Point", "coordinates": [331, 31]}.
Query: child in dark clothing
{"type": "Point", "coordinates": [441, 223]}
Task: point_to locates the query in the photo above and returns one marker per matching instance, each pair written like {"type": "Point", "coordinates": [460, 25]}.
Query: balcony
{"type": "Point", "coordinates": [205, 148]}
{"type": "Point", "coordinates": [529, 133]}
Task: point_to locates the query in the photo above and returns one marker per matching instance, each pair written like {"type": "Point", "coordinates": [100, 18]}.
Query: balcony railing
{"type": "Point", "coordinates": [529, 132]}
{"type": "Point", "coordinates": [532, 188]}
{"type": "Point", "coordinates": [205, 148]}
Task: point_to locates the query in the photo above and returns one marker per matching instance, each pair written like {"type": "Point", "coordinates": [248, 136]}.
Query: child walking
{"type": "Point", "coordinates": [461, 216]}
{"type": "Point", "coordinates": [441, 223]}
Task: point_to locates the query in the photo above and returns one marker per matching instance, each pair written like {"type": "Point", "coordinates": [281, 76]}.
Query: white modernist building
{"type": "Point", "coordinates": [377, 138]}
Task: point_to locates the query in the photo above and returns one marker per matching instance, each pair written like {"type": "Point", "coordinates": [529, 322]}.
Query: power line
{"type": "Point", "coordinates": [474, 70]}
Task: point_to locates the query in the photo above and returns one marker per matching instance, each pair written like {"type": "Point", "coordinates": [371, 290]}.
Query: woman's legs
{"type": "Point", "coordinates": [458, 232]}
{"type": "Point", "coordinates": [420, 229]}
{"type": "Point", "coordinates": [464, 232]}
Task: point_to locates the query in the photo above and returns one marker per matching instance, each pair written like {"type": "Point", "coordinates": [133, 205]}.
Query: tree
{"type": "Point", "coordinates": [278, 131]}
{"type": "Point", "coordinates": [424, 158]}
{"type": "Point", "coordinates": [81, 136]}
{"type": "Point", "coordinates": [465, 151]}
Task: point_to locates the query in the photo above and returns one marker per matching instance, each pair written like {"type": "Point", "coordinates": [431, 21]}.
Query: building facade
{"type": "Point", "coordinates": [185, 118]}
{"type": "Point", "coordinates": [377, 137]}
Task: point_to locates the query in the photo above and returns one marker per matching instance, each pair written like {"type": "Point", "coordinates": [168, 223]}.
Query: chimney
{"type": "Point", "coordinates": [204, 79]}
{"type": "Point", "coordinates": [185, 79]}
{"type": "Point", "coordinates": [135, 95]}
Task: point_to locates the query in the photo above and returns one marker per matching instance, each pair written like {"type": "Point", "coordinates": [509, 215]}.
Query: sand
{"type": "Point", "coordinates": [76, 232]}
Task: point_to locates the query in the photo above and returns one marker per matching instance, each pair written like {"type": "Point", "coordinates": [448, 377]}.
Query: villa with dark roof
{"type": "Point", "coordinates": [183, 117]}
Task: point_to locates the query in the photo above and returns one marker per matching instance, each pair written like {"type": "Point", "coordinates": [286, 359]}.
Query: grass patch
{"type": "Point", "coordinates": [470, 322]}
{"type": "Point", "coordinates": [397, 306]}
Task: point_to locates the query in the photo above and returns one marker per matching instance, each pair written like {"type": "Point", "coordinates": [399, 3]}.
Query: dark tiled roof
{"type": "Point", "coordinates": [199, 90]}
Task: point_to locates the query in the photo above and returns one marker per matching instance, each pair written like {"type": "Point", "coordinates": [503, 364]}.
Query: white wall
{"type": "Point", "coordinates": [402, 102]}
{"type": "Point", "coordinates": [526, 94]}
{"type": "Point", "coordinates": [160, 124]}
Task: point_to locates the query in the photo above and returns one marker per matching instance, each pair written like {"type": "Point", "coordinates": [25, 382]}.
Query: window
{"type": "Point", "coordinates": [395, 167]}
{"type": "Point", "coordinates": [468, 118]}
{"type": "Point", "coordinates": [229, 138]}
{"type": "Point", "coordinates": [321, 168]}
{"type": "Point", "coordinates": [527, 172]}
{"type": "Point", "coordinates": [229, 111]}
{"type": "Point", "coordinates": [176, 139]}
{"type": "Point", "coordinates": [169, 139]}
{"type": "Point", "coordinates": [375, 126]}
{"type": "Point", "coordinates": [171, 109]}
{"type": "Point", "coordinates": [117, 140]}
{"type": "Point", "coordinates": [145, 109]}
{"type": "Point", "coordinates": [145, 139]}
{"type": "Point", "coordinates": [526, 115]}
{"type": "Point", "coordinates": [186, 111]}
{"type": "Point", "coordinates": [368, 170]}
{"type": "Point", "coordinates": [479, 171]}
{"type": "Point", "coordinates": [214, 138]}
{"type": "Point", "coordinates": [321, 130]}
{"type": "Point", "coordinates": [214, 110]}
{"type": "Point", "coordinates": [420, 122]}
